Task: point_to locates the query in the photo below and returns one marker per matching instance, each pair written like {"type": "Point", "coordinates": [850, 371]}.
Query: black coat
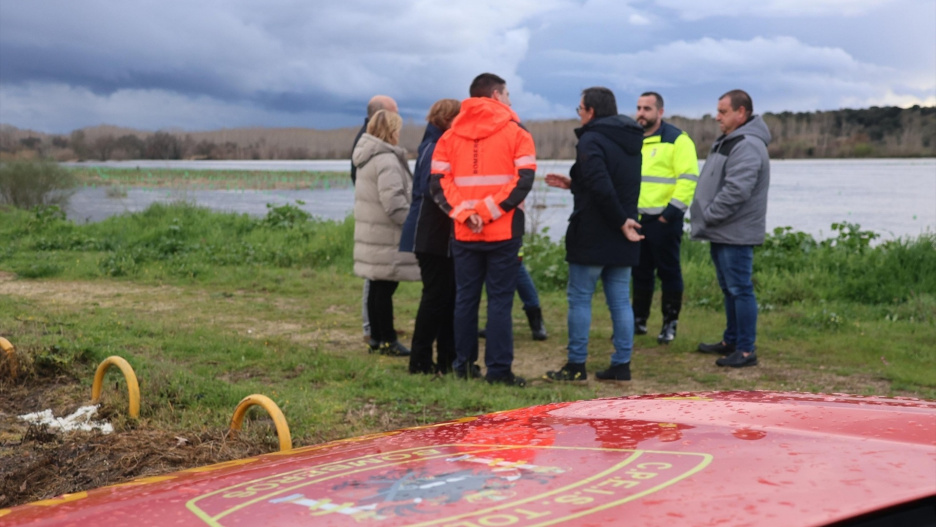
{"type": "Point", "coordinates": [354, 144]}
{"type": "Point", "coordinates": [605, 188]}
{"type": "Point", "coordinates": [427, 229]}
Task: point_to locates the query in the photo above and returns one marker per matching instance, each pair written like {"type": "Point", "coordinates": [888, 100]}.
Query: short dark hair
{"type": "Point", "coordinates": [486, 84]}
{"type": "Point", "coordinates": [738, 99]}
{"type": "Point", "coordinates": [655, 95]}
{"type": "Point", "coordinates": [601, 100]}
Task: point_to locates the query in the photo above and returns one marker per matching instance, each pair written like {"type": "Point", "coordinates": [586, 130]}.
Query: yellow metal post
{"type": "Point", "coordinates": [10, 353]}
{"type": "Point", "coordinates": [133, 387]}
{"type": "Point", "coordinates": [282, 429]}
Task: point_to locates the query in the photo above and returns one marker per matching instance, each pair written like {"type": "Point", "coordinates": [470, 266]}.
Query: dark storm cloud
{"type": "Point", "coordinates": [148, 64]}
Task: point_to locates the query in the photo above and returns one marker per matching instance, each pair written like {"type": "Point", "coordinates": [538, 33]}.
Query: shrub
{"type": "Point", "coordinates": [917, 308]}
{"type": "Point", "coordinates": [39, 270]}
{"type": "Point", "coordinates": [27, 184]}
{"type": "Point", "coordinates": [187, 241]}
{"type": "Point", "coordinates": [546, 261]}
{"type": "Point", "coordinates": [331, 243]}
{"type": "Point", "coordinates": [791, 267]}
{"type": "Point", "coordinates": [285, 216]}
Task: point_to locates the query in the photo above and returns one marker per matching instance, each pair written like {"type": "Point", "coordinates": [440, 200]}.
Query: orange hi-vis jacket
{"type": "Point", "coordinates": [484, 164]}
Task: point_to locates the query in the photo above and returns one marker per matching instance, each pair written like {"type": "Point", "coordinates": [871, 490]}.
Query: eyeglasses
{"type": "Point", "coordinates": [579, 109]}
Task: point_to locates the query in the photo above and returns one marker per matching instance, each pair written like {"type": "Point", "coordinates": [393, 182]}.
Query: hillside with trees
{"type": "Point", "coordinates": [871, 132]}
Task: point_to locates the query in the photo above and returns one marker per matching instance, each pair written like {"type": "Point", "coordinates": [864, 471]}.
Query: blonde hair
{"type": "Point", "coordinates": [443, 112]}
{"type": "Point", "coordinates": [385, 126]}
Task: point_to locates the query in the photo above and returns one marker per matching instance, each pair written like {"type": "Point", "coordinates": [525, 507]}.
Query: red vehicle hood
{"type": "Point", "coordinates": [726, 458]}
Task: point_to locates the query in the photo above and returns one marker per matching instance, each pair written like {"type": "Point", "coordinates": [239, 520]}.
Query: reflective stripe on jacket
{"type": "Point", "coordinates": [484, 164]}
{"type": "Point", "coordinates": [669, 173]}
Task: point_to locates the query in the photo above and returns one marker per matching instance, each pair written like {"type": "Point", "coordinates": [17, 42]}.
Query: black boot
{"type": "Point", "coordinates": [537, 326]}
{"type": "Point", "coordinates": [640, 327]}
{"type": "Point", "coordinates": [420, 359]}
{"type": "Point", "coordinates": [445, 355]}
{"type": "Point", "coordinates": [672, 304]}
{"type": "Point", "coordinates": [621, 372]}
{"type": "Point", "coordinates": [393, 349]}
{"type": "Point", "coordinates": [642, 301]}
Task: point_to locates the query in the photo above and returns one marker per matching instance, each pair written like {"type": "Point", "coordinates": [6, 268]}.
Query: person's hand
{"type": "Point", "coordinates": [630, 230]}
{"type": "Point", "coordinates": [558, 181]}
{"type": "Point", "coordinates": [663, 220]}
{"type": "Point", "coordinates": [475, 223]}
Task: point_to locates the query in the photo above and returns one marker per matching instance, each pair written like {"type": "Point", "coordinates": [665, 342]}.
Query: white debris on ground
{"type": "Point", "coordinates": [80, 420]}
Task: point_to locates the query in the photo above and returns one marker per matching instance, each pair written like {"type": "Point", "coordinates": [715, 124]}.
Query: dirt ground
{"type": "Point", "coordinates": [37, 464]}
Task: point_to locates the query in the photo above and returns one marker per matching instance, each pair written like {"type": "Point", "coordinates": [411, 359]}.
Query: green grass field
{"type": "Point", "coordinates": [211, 307]}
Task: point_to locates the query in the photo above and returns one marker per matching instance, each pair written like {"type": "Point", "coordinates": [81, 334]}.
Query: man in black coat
{"type": "Point", "coordinates": [602, 240]}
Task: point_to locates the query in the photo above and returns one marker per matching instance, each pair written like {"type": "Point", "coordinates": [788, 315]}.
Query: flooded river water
{"type": "Point", "coordinates": [893, 197]}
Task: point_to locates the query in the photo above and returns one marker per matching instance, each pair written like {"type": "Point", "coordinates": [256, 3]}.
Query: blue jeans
{"type": "Point", "coordinates": [581, 288]}
{"type": "Point", "coordinates": [493, 266]}
{"type": "Point", "coordinates": [526, 290]}
{"type": "Point", "coordinates": [734, 265]}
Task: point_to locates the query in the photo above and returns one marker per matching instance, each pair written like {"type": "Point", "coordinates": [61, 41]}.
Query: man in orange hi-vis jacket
{"type": "Point", "coordinates": [482, 169]}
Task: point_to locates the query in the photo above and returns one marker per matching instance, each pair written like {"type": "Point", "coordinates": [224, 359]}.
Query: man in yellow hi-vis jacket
{"type": "Point", "coordinates": [669, 174]}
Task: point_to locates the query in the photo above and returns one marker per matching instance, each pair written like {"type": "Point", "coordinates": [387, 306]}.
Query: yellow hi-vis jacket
{"type": "Point", "coordinates": [669, 173]}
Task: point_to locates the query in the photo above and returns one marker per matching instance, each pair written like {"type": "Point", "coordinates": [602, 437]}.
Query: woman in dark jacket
{"type": "Point", "coordinates": [427, 231]}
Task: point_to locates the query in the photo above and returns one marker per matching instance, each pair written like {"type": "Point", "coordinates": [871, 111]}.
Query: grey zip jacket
{"type": "Point", "coordinates": [730, 204]}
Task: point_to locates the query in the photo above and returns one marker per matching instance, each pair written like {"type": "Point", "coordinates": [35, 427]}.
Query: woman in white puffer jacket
{"type": "Point", "coordinates": [382, 197]}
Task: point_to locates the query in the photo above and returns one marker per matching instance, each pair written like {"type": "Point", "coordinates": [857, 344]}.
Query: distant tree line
{"type": "Point", "coordinates": [871, 132]}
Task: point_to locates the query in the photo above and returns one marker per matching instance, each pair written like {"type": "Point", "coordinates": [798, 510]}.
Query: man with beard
{"type": "Point", "coordinates": [669, 174]}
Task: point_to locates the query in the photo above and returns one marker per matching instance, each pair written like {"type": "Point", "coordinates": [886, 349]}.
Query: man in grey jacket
{"type": "Point", "coordinates": [729, 210]}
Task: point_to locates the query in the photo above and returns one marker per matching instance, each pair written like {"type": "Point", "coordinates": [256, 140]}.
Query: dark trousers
{"type": "Point", "coordinates": [436, 314]}
{"type": "Point", "coordinates": [659, 252]}
{"type": "Point", "coordinates": [493, 266]}
{"type": "Point", "coordinates": [380, 310]}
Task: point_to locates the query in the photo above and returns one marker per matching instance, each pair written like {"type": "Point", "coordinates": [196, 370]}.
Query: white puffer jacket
{"type": "Point", "coordinates": [382, 198]}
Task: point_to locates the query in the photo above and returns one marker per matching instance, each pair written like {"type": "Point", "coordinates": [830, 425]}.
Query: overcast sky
{"type": "Point", "coordinates": [209, 64]}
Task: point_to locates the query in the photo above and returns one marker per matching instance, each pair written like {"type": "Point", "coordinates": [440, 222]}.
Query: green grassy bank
{"type": "Point", "coordinates": [211, 307]}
